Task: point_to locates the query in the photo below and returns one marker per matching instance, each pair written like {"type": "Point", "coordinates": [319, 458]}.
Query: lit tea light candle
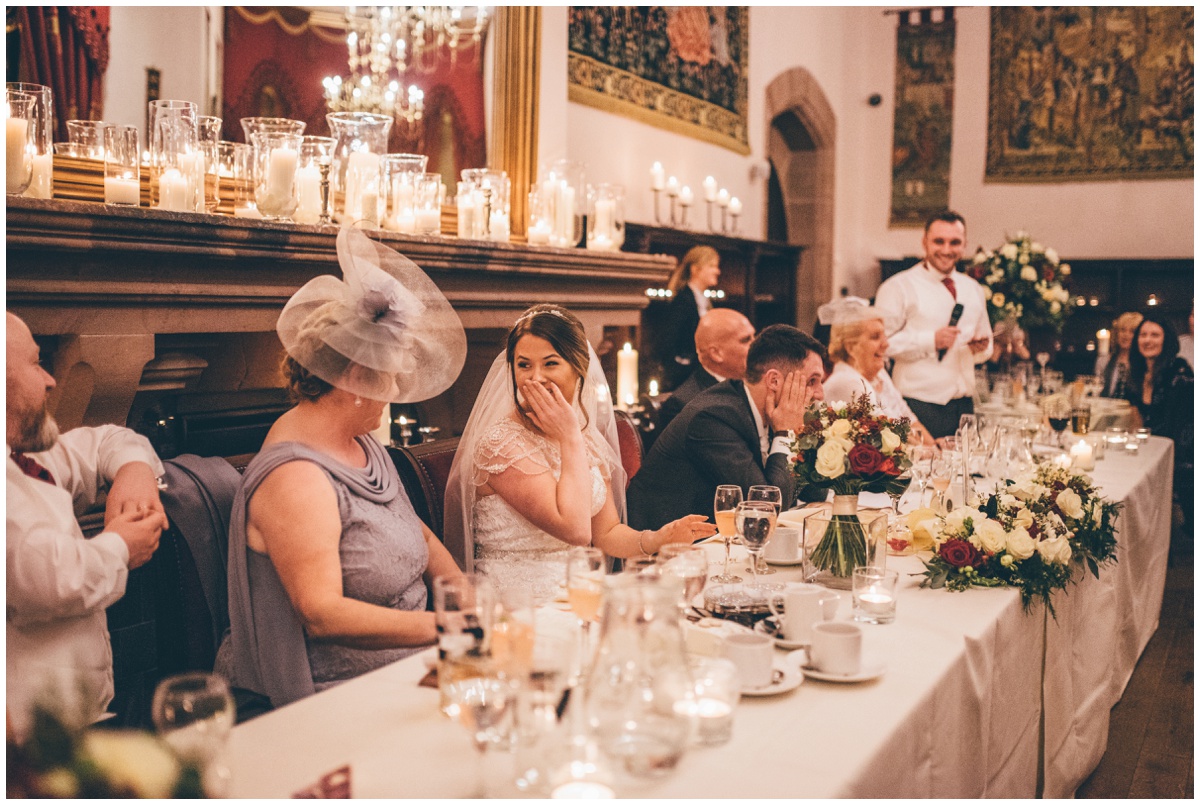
{"type": "Point", "coordinates": [627, 375]}
{"type": "Point", "coordinates": [876, 603]}
{"type": "Point", "coordinates": [122, 191]}
{"type": "Point", "coordinates": [429, 222]}
{"type": "Point", "coordinates": [539, 233]}
{"type": "Point", "coordinates": [308, 194]}
{"type": "Point", "coordinates": [173, 191]}
{"type": "Point", "coordinates": [1063, 461]}
{"type": "Point", "coordinates": [653, 388]}
{"type": "Point", "coordinates": [42, 183]}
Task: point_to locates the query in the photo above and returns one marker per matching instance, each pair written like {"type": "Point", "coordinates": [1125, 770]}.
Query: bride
{"type": "Point", "coordinates": [538, 469]}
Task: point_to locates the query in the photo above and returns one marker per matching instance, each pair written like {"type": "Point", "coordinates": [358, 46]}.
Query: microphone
{"type": "Point", "coordinates": [955, 315]}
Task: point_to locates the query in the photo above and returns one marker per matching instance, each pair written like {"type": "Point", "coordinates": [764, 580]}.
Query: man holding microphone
{"type": "Point", "coordinates": [945, 332]}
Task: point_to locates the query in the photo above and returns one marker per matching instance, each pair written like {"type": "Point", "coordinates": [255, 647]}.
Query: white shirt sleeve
{"type": "Point", "coordinates": [909, 342]}
{"type": "Point", "coordinates": [84, 461]}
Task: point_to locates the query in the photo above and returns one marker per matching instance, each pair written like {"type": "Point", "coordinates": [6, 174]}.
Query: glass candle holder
{"type": "Point", "coordinates": [563, 201]}
{"type": "Point", "coordinates": [494, 195]}
{"type": "Point", "coordinates": [19, 114]}
{"type": "Point", "coordinates": [718, 688]}
{"type": "Point", "coordinates": [176, 164]}
{"type": "Point", "coordinates": [41, 135]}
{"type": "Point", "coordinates": [427, 206]}
{"type": "Point", "coordinates": [401, 175]}
{"type": "Point", "coordinates": [208, 132]}
{"type": "Point", "coordinates": [276, 159]}
{"type": "Point", "coordinates": [361, 141]}
{"type": "Point", "coordinates": [469, 201]}
{"type": "Point", "coordinates": [88, 137]}
{"type": "Point", "coordinates": [314, 152]}
{"type": "Point", "coordinates": [606, 217]}
{"type": "Point", "coordinates": [238, 160]}
{"type": "Point", "coordinates": [122, 166]}
{"type": "Point", "coordinates": [541, 225]}
{"type": "Point", "coordinates": [277, 125]}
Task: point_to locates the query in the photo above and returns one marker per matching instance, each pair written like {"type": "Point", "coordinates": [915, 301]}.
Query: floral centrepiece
{"type": "Point", "coordinates": [1028, 535]}
{"type": "Point", "coordinates": [848, 448]}
{"type": "Point", "coordinates": [1025, 282]}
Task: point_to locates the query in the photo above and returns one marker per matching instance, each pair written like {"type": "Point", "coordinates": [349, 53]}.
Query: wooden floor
{"type": "Point", "coordinates": [1150, 741]}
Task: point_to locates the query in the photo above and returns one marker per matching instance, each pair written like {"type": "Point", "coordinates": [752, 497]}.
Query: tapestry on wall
{"type": "Point", "coordinates": [275, 60]}
{"type": "Point", "coordinates": [681, 68]}
{"type": "Point", "coordinates": [924, 111]}
{"type": "Point", "coordinates": [1086, 93]}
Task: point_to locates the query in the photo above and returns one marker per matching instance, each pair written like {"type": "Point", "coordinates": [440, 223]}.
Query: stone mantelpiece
{"type": "Point", "coordinates": [115, 283]}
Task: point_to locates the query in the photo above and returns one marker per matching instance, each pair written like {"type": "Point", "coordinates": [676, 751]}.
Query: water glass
{"type": "Point", "coordinates": [122, 166]}
{"type": "Point", "coordinates": [193, 714]}
{"type": "Point", "coordinates": [772, 495]}
{"type": "Point", "coordinates": [755, 522]}
{"type": "Point", "coordinates": [874, 591]}
{"type": "Point", "coordinates": [21, 108]}
{"type": "Point", "coordinates": [688, 563]}
{"type": "Point", "coordinates": [718, 689]}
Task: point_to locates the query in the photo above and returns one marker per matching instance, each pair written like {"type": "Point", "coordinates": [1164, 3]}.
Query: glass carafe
{"type": "Point", "coordinates": [639, 691]}
{"type": "Point", "coordinates": [361, 143]}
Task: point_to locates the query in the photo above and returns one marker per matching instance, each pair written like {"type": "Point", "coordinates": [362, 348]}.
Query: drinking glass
{"type": "Point", "coordinates": [18, 145]}
{"type": "Point", "coordinates": [1081, 420]}
{"type": "Point", "coordinates": [485, 704]}
{"type": "Point", "coordinates": [514, 630]}
{"type": "Point", "coordinates": [941, 473]}
{"type": "Point", "coordinates": [922, 464]}
{"type": "Point", "coordinates": [1141, 436]}
{"type": "Point", "coordinates": [772, 495]}
{"type": "Point", "coordinates": [194, 713]}
{"type": "Point", "coordinates": [689, 563]}
{"type": "Point", "coordinates": [755, 521]}
{"type": "Point", "coordinates": [464, 609]}
{"type": "Point", "coordinates": [725, 504]}
{"type": "Point", "coordinates": [585, 590]}
{"type": "Point", "coordinates": [122, 166]}
{"type": "Point", "coordinates": [1058, 413]}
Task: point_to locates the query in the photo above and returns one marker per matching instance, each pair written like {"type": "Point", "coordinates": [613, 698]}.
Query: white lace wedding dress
{"type": "Point", "coordinates": [509, 549]}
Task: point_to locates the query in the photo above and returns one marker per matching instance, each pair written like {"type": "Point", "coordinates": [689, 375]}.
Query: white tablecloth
{"type": "Point", "coordinates": [957, 713]}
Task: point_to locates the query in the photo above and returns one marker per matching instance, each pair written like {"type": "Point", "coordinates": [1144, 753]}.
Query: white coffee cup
{"type": "Point", "coordinates": [836, 648]}
{"type": "Point", "coordinates": [784, 545]}
{"type": "Point", "coordinates": [752, 654]}
{"type": "Point", "coordinates": [803, 605]}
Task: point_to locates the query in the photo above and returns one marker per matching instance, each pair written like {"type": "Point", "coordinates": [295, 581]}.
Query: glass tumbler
{"type": "Point", "coordinates": [401, 176]}
{"type": "Point", "coordinates": [122, 166]}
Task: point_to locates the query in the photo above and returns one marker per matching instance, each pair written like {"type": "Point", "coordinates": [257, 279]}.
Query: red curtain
{"type": "Point", "coordinates": [66, 48]}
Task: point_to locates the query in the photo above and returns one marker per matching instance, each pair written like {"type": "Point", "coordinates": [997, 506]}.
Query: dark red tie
{"type": "Point", "coordinates": [32, 468]}
{"type": "Point", "coordinates": [949, 283]}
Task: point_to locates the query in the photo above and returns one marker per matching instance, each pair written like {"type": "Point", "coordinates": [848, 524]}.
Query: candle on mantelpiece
{"type": "Point", "coordinates": [281, 172]}
{"type": "Point", "coordinates": [429, 222]}
{"type": "Point", "coordinates": [539, 233]}
{"type": "Point", "coordinates": [1102, 342]}
{"type": "Point", "coordinates": [498, 226]}
{"type": "Point", "coordinates": [657, 176]}
{"type": "Point", "coordinates": [42, 183]}
{"type": "Point", "coordinates": [582, 789]}
{"type": "Point", "coordinates": [710, 188]}
{"type": "Point", "coordinates": [735, 206]}
{"type": "Point", "coordinates": [405, 223]}
{"type": "Point", "coordinates": [191, 167]}
{"type": "Point", "coordinates": [16, 133]}
{"type": "Point", "coordinates": [361, 170]}
{"type": "Point", "coordinates": [685, 196]}
{"type": "Point", "coordinates": [627, 375]}
{"type": "Point", "coordinates": [122, 191]}
{"type": "Point", "coordinates": [308, 194]}
{"type": "Point", "coordinates": [723, 198]}
{"type": "Point", "coordinates": [173, 191]}
{"type": "Point", "coordinates": [672, 186]}
{"type": "Point", "coordinates": [369, 201]}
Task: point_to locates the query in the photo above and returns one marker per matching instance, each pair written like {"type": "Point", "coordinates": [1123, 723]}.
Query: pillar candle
{"type": "Point", "coordinates": [191, 168]}
{"type": "Point", "coordinates": [369, 204]}
{"type": "Point", "coordinates": [16, 132]}
{"type": "Point", "coordinates": [308, 194]}
{"type": "Point", "coordinates": [173, 191]}
{"type": "Point", "coordinates": [657, 176]}
{"type": "Point", "coordinates": [723, 198]}
{"type": "Point", "coordinates": [1082, 457]}
{"type": "Point", "coordinates": [281, 172]}
{"type": "Point", "coordinates": [429, 222]}
{"type": "Point", "coordinates": [603, 225]}
{"type": "Point", "coordinates": [122, 191]}
{"type": "Point", "coordinates": [361, 170]}
{"type": "Point", "coordinates": [498, 226]}
{"type": "Point", "coordinates": [1102, 342]}
{"type": "Point", "coordinates": [539, 233]}
{"type": "Point", "coordinates": [42, 183]}
{"type": "Point", "coordinates": [710, 188]}
{"type": "Point", "coordinates": [627, 375]}
{"type": "Point", "coordinates": [405, 223]}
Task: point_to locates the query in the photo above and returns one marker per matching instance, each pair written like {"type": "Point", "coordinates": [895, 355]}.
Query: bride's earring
{"type": "Point", "coordinates": [358, 402]}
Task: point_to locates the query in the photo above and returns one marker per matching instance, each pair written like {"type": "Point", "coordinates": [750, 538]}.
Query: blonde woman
{"type": "Point", "coordinates": [697, 272]}
{"type": "Point", "coordinates": [1114, 367]}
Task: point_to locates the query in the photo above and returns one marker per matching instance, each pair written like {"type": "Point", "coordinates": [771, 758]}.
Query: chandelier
{"type": "Point", "coordinates": [387, 44]}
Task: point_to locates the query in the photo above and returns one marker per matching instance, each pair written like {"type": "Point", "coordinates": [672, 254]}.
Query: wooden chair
{"type": "Point", "coordinates": [425, 469]}
{"type": "Point", "coordinates": [631, 444]}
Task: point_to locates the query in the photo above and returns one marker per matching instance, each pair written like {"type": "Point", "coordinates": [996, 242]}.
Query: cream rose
{"type": "Point", "coordinates": [889, 441]}
{"type": "Point", "coordinates": [998, 299]}
{"type": "Point", "coordinates": [1055, 307]}
{"type": "Point", "coordinates": [1009, 250]}
{"type": "Point", "coordinates": [134, 761]}
{"type": "Point", "coordinates": [991, 536]}
{"type": "Point", "coordinates": [1055, 551]}
{"type": "Point", "coordinates": [831, 459]}
{"type": "Point", "coordinates": [1019, 544]}
{"type": "Point", "coordinates": [1023, 259]}
{"type": "Point", "coordinates": [1029, 274]}
{"type": "Point", "coordinates": [1052, 256]}
{"type": "Point", "coordinates": [1069, 503]}
{"type": "Point", "coordinates": [840, 429]}
{"type": "Point", "coordinates": [1065, 268]}
{"type": "Point", "coordinates": [1023, 518]}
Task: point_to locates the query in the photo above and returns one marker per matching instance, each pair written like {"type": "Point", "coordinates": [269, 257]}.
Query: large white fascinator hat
{"type": "Point", "coordinates": [855, 309]}
{"type": "Point", "coordinates": [384, 331]}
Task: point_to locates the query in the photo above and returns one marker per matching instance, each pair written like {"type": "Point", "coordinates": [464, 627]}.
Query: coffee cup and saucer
{"type": "Point", "coordinates": [836, 655]}
{"type": "Point", "coordinates": [783, 549]}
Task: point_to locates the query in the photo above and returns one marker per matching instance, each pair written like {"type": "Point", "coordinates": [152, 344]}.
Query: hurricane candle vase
{"type": "Point", "coordinates": [277, 125]}
{"type": "Point", "coordinates": [315, 152]}
{"type": "Point", "coordinates": [208, 133]}
{"type": "Point", "coordinates": [176, 165]}
{"type": "Point", "coordinates": [276, 158]}
{"type": "Point", "coordinates": [427, 206]}
{"type": "Point", "coordinates": [19, 111]}
{"type": "Point", "coordinates": [606, 217]}
{"type": "Point", "coordinates": [562, 197]}
{"type": "Point", "coordinates": [401, 175]}
{"type": "Point", "coordinates": [361, 142]}
{"type": "Point", "coordinates": [41, 136]}
{"type": "Point", "coordinates": [87, 138]}
{"type": "Point", "coordinates": [122, 166]}
{"type": "Point", "coordinates": [494, 192]}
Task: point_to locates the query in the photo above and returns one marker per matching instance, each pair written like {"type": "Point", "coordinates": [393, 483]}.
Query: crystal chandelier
{"type": "Point", "coordinates": [388, 43]}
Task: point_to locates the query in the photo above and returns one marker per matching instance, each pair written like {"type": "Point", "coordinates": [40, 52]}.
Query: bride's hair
{"type": "Point", "coordinates": [565, 333]}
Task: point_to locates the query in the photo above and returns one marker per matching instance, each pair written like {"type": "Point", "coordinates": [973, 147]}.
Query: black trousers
{"type": "Point", "coordinates": [941, 420]}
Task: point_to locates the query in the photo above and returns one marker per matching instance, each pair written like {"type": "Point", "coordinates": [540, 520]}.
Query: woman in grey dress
{"type": "Point", "coordinates": [328, 563]}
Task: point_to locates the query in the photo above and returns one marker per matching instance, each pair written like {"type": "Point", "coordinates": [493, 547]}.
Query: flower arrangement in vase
{"type": "Point", "coordinates": [1026, 535]}
{"type": "Point", "coordinates": [848, 448]}
{"type": "Point", "coordinates": [1025, 282]}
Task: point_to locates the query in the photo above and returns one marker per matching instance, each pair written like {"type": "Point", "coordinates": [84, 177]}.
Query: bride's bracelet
{"type": "Point", "coordinates": [641, 545]}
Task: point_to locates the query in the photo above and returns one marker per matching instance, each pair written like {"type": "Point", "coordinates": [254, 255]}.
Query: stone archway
{"type": "Point", "coordinates": [801, 132]}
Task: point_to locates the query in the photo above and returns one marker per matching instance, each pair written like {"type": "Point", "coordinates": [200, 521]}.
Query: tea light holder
{"type": "Point", "coordinates": [874, 592]}
{"type": "Point", "coordinates": [122, 166]}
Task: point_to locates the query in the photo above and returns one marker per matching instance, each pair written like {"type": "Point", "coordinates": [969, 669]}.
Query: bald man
{"type": "Point", "coordinates": [722, 340]}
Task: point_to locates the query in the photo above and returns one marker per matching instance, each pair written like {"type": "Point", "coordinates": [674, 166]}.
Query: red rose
{"type": "Point", "coordinates": [864, 459]}
{"type": "Point", "coordinates": [1048, 273]}
{"type": "Point", "coordinates": [959, 553]}
{"type": "Point", "coordinates": [888, 465]}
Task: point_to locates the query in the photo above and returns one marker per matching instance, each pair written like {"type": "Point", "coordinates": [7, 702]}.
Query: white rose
{"type": "Point", "coordinates": [133, 761]}
{"type": "Point", "coordinates": [1019, 544]}
{"type": "Point", "coordinates": [980, 257]}
{"type": "Point", "coordinates": [991, 536]}
{"type": "Point", "coordinates": [840, 429]}
{"type": "Point", "coordinates": [831, 459]}
{"type": "Point", "coordinates": [1023, 259]}
{"type": "Point", "coordinates": [1036, 247]}
{"type": "Point", "coordinates": [1055, 551]}
{"type": "Point", "coordinates": [1055, 307]}
{"type": "Point", "coordinates": [1009, 250]}
{"type": "Point", "coordinates": [956, 519]}
{"type": "Point", "coordinates": [1098, 514]}
{"type": "Point", "coordinates": [1023, 518]}
{"type": "Point", "coordinates": [1065, 268]}
{"type": "Point", "coordinates": [1006, 560]}
{"type": "Point", "coordinates": [889, 440]}
{"type": "Point", "coordinates": [1029, 274]}
{"type": "Point", "coordinates": [998, 299]}
{"type": "Point", "coordinates": [1064, 295]}
{"type": "Point", "coordinates": [1052, 256]}
{"type": "Point", "coordinates": [1069, 503]}
{"type": "Point", "coordinates": [1008, 501]}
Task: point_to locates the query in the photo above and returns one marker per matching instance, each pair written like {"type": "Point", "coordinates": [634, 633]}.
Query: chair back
{"type": "Point", "coordinates": [424, 469]}
{"type": "Point", "coordinates": [631, 444]}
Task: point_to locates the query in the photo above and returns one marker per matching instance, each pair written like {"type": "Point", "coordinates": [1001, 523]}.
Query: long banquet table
{"type": "Point", "coordinates": [972, 681]}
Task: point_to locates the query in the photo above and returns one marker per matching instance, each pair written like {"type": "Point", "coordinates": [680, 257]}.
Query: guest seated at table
{"type": "Point", "coordinates": [1010, 344]}
{"type": "Point", "coordinates": [538, 469]}
{"type": "Point", "coordinates": [722, 339]}
{"type": "Point", "coordinates": [733, 433]}
{"type": "Point", "coordinates": [1114, 367]}
{"type": "Point", "coordinates": [1160, 382]}
{"type": "Point", "coordinates": [328, 562]}
{"type": "Point", "coordinates": [696, 273]}
{"type": "Point", "coordinates": [858, 346]}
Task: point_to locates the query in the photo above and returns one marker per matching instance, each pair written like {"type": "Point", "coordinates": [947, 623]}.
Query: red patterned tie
{"type": "Point", "coordinates": [949, 283]}
{"type": "Point", "coordinates": [32, 468]}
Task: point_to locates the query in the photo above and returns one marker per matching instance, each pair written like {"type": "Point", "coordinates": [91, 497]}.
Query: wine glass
{"type": "Point", "coordinates": [1058, 413]}
{"type": "Point", "coordinates": [941, 473]}
{"type": "Point", "coordinates": [772, 495]}
{"type": "Point", "coordinates": [921, 458]}
{"type": "Point", "coordinates": [194, 713]}
{"type": "Point", "coordinates": [725, 504]}
{"type": "Point", "coordinates": [755, 521]}
{"type": "Point", "coordinates": [484, 704]}
{"type": "Point", "coordinates": [1043, 358]}
{"type": "Point", "coordinates": [688, 563]}
{"type": "Point", "coordinates": [585, 589]}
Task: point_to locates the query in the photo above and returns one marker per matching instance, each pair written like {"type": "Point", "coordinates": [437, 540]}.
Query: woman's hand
{"type": "Point", "coordinates": [685, 530]}
{"type": "Point", "coordinates": [550, 411]}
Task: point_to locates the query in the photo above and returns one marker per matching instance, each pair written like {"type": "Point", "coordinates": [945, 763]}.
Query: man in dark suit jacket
{"type": "Point", "coordinates": [722, 339]}
{"type": "Point", "coordinates": [733, 433]}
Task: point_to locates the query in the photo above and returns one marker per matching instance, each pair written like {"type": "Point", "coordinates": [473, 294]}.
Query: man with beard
{"type": "Point", "coordinates": [60, 583]}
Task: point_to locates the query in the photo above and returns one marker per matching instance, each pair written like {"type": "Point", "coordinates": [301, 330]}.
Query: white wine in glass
{"type": "Point", "coordinates": [725, 504]}
{"type": "Point", "coordinates": [585, 589]}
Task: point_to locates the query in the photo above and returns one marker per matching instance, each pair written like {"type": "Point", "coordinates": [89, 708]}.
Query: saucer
{"type": "Point", "coordinates": [799, 560]}
{"type": "Point", "coordinates": [784, 677]}
{"type": "Point", "coordinates": [867, 672]}
{"type": "Point", "coordinates": [767, 626]}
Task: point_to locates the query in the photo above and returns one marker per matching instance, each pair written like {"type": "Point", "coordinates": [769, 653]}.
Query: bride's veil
{"type": "Point", "coordinates": [495, 401]}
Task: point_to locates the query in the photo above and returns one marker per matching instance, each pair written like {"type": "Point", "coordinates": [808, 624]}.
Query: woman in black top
{"type": "Point", "coordinates": [696, 273]}
{"type": "Point", "coordinates": [1160, 382]}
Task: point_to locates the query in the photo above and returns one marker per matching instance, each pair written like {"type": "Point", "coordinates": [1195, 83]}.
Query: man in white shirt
{"type": "Point", "coordinates": [938, 387]}
{"type": "Point", "coordinates": [58, 583]}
